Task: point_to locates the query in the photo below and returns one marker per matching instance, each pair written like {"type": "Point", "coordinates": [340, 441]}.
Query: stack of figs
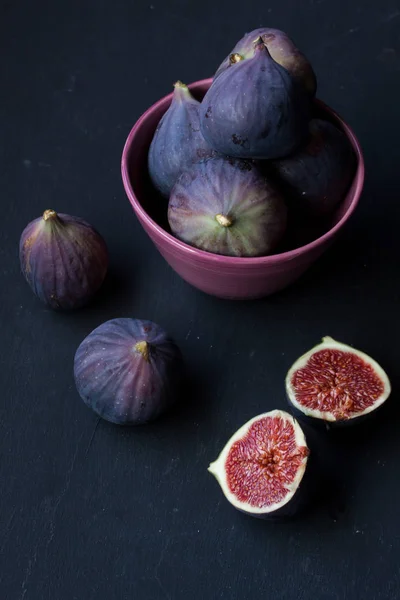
{"type": "Point", "coordinates": [238, 165]}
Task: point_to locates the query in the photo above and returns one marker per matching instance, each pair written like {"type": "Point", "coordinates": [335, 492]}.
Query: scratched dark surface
{"type": "Point", "coordinates": [88, 510]}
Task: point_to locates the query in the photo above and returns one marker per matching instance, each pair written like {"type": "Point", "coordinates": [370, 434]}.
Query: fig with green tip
{"type": "Point", "coordinates": [255, 109]}
{"type": "Point", "coordinates": [177, 142]}
{"type": "Point", "coordinates": [283, 51]}
{"type": "Point", "coordinates": [64, 259]}
{"type": "Point", "coordinates": [128, 371]}
{"type": "Point", "coordinates": [336, 383]}
{"type": "Point", "coordinates": [227, 207]}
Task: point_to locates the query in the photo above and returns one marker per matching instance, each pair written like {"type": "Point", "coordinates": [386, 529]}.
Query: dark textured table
{"type": "Point", "coordinates": [89, 510]}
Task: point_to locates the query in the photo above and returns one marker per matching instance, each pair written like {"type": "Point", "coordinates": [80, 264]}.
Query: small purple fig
{"type": "Point", "coordinates": [177, 142]}
{"type": "Point", "coordinates": [128, 371]}
{"type": "Point", "coordinates": [64, 259]}
{"type": "Point", "coordinates": [316, 177]}
{"type": "Point", "coordinates": [283, 51]}
{"type": "Point", "coordinates": [226, 206]}
{"type": "Point", "coordinates": [255, 110]}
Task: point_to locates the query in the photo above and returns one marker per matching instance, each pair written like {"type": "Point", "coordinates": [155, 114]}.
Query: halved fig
{"type": "Point", "coordinates": [336, 383]}
{"type": "Point", "coordinates": [261, 468]}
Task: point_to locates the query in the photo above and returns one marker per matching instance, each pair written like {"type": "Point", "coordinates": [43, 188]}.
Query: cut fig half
{"type": "Point", "coordinates": [262, 466]}
{"type": "Point", "coordinates": [334, 382]}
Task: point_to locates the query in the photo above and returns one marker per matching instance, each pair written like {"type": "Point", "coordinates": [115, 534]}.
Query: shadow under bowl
{"type": "Point", "coordinates": [226, 276]}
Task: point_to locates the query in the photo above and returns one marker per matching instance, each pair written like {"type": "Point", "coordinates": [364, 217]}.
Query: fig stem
{"type": "Point", "coordinates": [144, 349]}
{"type": "Point", "coordinates": [223, 220]}
{"type": "Point", "coordinates": [49, 214]}
{"type": "Point", "coordinates": [179, 84]}
{"type": "Point", "coordinates": [235, 58]}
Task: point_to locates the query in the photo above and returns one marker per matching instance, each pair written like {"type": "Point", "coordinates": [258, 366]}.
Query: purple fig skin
{"type": "Point", "coordinates": [177, 142]}
{"type": "Point", "coordinates": [128, 371]}
{"type": "Point", "coordinates": [255, 110]}
{"type": "Point", "coordinates": [226, 206]}
{"type": "Point", "coordinates": [317, 176]}
{"type": "Point", "coordinates": [283, 51]}
{"type": "Point", "coordinates": [64, 260]}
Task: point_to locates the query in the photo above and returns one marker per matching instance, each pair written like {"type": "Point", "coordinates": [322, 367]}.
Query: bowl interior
{"type": "Point", "coordinates": [298, 234]}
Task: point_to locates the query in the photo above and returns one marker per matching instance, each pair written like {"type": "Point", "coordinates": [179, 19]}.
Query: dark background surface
{"type": "Point", "coordinates": [89, 510]}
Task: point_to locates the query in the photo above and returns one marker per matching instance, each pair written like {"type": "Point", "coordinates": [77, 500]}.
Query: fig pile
{"type": "Point", "coordinates": [233, 164]}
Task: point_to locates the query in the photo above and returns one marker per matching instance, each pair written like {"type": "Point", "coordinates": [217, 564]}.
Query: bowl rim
{"type": "Point", "coordinates": [234, 260]}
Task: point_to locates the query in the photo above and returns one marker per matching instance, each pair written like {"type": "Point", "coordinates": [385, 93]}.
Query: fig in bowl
{"type": "Point", "coordinates": [178, 141]}
{"type": "Point", "coordinates": [316, 177]}
{"type": "Point", "coordinates": [227, 207]}
{"type": "Point", "coordinates": [256, 109]}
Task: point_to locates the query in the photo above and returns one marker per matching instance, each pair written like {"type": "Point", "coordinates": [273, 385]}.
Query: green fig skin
{"type": "Point", "coordinates": [63, 259]}
{"type": "Point", "coordinates": [226, 206]}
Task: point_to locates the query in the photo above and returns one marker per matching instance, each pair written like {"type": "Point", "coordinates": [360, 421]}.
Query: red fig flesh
{"type": "Point", "coordinates": [262, 465]}
{"type": "Point", "coordinates": [335, 382]}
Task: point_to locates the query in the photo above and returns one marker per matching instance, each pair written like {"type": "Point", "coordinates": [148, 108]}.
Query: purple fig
{"type": "Point", "coordinates": [64, 259]}
{"type": "Point", "coordinates": [317, 176]}
{"type": "Point", "coordinates": [255, 110]}
{"type": "Point", "coordinates": [226, 206]}
{"type": "Point", "coordinates": [128, 371]}
{"type": "Point", "coordinates": [283, 51]}
{"type": "Point", "coordinates": [178, 141]}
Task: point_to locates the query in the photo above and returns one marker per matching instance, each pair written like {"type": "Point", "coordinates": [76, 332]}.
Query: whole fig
{"type": "Point", "coordinates": [282, 50]}
{"type": "Point", "coordinates": [317, 176]}
{"type": "Point", "coordinates": [255, 110]}
{"type": "Point", "coordinates": [226, 206]}
{"type": "Point", "coordinates": [64, 259]}
{"type": "Point", "coordinates": [177, 142]}
{"type": "Point", "coordinates": [127, 371]}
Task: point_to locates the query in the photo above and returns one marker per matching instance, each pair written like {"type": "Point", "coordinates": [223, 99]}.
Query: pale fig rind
{"type": "Point", "coordinates": [336, 384]}
{"type": "Point", "coordinates": [64, 260]}
{"type": "Point", "coordinates": [261, 468]}
{"type": "Point", "coordinates": [128, 371]}
{"type": "Point", "coordinates": [283, 51]}
{"type": "Point", "coordinates": [177, 142]}
{"type": "Point", "coordinates": [225, 206]}
{"type": "Point", "coordinates": [255, 110]}
{"type": "Point", "coordinates": [317, 176]}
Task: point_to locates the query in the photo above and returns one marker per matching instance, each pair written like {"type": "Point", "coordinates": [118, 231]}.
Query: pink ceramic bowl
{"type": "Point", "coordinates": [224, 276]}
